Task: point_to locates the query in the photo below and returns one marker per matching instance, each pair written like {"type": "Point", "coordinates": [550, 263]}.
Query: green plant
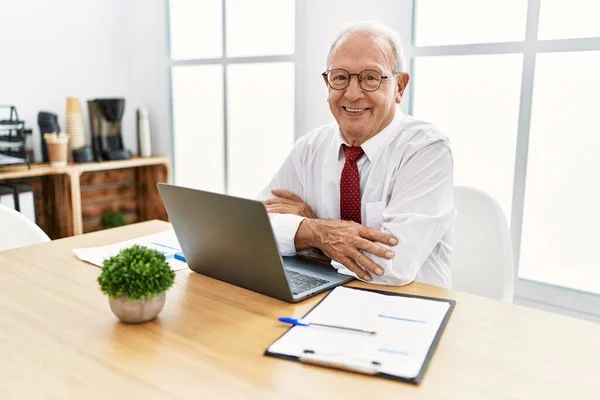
{"type": "Point", "coordinates": [112, 220]}
{"type": "Point", "coordinates": [137, 272]}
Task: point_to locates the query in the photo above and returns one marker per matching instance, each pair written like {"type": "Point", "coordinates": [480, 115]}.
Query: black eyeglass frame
{"type": "Point", "coordinates": [326, 73]}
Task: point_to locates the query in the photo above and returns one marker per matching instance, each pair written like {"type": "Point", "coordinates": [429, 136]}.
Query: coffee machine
{"type": "Point", "coordinates": [105, 122]}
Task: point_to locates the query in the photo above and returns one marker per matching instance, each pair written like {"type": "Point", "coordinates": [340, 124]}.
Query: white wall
{"type": "Point", "coordinates": [319, 22]}
{"type": "Point", "coordinates": [148, 67]}
{"type": "Point", "coordinates": [85, 49]}
{"type": "Point", "coordinates": [58, 49]}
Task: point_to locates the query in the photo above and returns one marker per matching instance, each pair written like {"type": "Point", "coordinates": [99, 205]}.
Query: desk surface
{"type": "Point", "coordinates": [59, 339]}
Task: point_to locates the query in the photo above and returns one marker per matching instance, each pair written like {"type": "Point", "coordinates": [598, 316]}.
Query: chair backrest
{"type": "Point", "coordinates": [482, 261]}
{"type": "Point", "coordinates": [16, 230]}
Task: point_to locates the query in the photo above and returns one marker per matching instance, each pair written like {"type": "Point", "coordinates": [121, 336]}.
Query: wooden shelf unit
{"type": "Point", "coordinates": [71, 200]}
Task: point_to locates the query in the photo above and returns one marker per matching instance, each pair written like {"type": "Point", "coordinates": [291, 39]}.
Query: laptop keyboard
{"type": "Point", "coordinates": [301, 282]}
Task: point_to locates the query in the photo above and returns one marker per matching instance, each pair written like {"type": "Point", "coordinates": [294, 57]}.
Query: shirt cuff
{"type": "Point", "coordinates": [285, 227]}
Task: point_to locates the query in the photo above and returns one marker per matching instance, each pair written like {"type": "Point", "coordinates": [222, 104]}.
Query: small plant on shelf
{"type": "Point", "coordinates": [112, 220]}
{"type": "Point", "coordinates": [136, 281]}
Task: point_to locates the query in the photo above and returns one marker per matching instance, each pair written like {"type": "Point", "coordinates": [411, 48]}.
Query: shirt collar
{"type": "Point", "coordinates": [372, 146]}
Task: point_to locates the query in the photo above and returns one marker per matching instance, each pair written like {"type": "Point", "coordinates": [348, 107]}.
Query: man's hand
{"type": "Point", "coordinates": [288, 203]}
{"type": "Point", "coordinates": [345, 242]}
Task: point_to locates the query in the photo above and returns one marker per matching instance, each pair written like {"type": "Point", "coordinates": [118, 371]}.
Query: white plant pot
{"type": "Point", "coordinates": [137, 311]}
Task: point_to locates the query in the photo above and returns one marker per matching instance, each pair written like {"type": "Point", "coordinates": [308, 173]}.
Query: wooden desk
{"type": "Point", "coordinates": [59, 339]}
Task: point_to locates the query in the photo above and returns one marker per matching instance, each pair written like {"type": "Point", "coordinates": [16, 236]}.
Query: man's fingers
{"type": "Point", "coordinates": [378, 236]}
{"type": "Point", "coordinates": [366, 262]}
{"type": "Point", "coordinates": [286, 194]}
{"type": "Point", "coordinates": [352, 266]}
{"type": "Point", "coordinates": [370, 247]}
{"type": "Point", "coordinates": [278, 201]}
{"type": "Point", "coordinates": [273, 201]}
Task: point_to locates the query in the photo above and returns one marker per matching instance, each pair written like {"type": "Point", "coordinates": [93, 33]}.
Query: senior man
{"type": "Point", "coordinates": [374, 189]}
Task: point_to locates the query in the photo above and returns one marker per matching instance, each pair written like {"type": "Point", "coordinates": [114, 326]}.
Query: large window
{"type": "Point", "coordinates": [232, 87]}
{"type": "Point", "coordinates": [514, 84]}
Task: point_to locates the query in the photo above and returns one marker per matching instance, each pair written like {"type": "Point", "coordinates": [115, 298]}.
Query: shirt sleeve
{"type": "Point", "coordinates": [420, 212]}
{"type": "Point", "coordinates": [285, 226]}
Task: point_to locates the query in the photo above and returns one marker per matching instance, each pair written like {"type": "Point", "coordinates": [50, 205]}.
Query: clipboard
{"type": "Point", "coordinates": [338, 361]}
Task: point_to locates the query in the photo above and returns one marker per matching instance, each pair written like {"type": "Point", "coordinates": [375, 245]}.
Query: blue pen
{"type": "Point", "coordinates": [300, 322]}
{"type": "Point", "coordinates": [179, 256]}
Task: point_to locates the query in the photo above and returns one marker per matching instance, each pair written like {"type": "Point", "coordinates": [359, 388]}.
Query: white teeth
{"type": "Point", "coordinates": [355, 109]}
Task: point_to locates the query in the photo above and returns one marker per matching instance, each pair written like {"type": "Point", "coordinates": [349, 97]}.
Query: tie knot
{"type": "Point", "coordinates": [353, 153]}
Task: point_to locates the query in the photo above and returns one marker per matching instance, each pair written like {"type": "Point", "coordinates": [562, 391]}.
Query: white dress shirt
{"type": "Point", "coordinates": [406, 184]}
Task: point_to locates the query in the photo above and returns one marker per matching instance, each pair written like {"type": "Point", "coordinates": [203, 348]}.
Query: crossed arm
{"type": "Point", "coordinates": [342, 241]}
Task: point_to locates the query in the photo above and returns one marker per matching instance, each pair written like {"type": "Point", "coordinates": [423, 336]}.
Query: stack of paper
{"type": "Point", "coordinates": [165, 242]}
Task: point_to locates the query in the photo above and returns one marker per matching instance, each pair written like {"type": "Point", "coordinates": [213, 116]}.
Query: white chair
{"type": "Point", "coordinates": [16, 230]}
{"type": "Point", "coordinates": [482, 261]}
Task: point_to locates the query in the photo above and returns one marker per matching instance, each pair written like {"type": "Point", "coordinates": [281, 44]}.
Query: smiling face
{"type": "Point", "coordinates": [361, 114]}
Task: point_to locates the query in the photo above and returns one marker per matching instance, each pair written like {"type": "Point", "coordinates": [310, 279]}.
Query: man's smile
{"type": "Point", "coordinates": [354, 111]}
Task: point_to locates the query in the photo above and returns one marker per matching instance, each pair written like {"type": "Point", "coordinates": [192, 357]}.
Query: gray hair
{"type": "Point", "coordinates": [380, 32]}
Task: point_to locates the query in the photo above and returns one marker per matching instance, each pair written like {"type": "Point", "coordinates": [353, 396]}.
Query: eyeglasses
{"type": "Point", "coordinates": [339, 79]}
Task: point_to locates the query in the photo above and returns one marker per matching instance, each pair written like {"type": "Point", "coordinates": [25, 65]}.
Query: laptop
{"type": "Point", "coordinates": [230, 239]}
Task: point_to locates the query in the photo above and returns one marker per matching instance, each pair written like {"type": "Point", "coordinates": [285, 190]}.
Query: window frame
{"type": "Point", "coordinates": [558, 298]}
{"type": "Point", "coordinates": [224, 61]}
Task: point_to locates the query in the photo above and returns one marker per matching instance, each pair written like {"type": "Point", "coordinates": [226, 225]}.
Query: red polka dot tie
{"type": "Point", "coordinates": [350, 185]}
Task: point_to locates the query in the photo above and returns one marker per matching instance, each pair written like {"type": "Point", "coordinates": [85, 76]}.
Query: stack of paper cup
{"type": "Point", "coordinates": [75, 123]}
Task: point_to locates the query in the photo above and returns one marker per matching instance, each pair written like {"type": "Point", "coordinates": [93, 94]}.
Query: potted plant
{"type": "Point", "coordinates": [112, 220]}
{"type": "Point", "coordinates": [136, 281]}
